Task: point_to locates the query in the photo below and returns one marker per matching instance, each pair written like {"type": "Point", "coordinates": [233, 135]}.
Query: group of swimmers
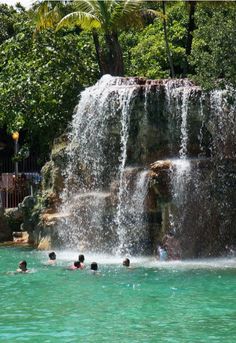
{"type": "Point", "coordinates": [22, 267]}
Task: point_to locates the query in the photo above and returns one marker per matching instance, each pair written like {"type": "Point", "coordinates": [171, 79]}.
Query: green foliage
{"type": "Point", "coordinates": [103, 18]}
{"type": "Point", "coordinates": [214, 45]}
{"type": "Point", "coordinates": [22, 154]}
{"type": "Point", "coordinates": [147, 50]}
{"type": "Point", "coordinates": [40, 79]}
{"type": "Point", "coordinates": [108, 15]}
{"type": "Point", "coordinates": [42, 72]}
{"type": "Point", "coordinates": [147, 58]}
{"type": "Point", "coordinates": [8, 16]}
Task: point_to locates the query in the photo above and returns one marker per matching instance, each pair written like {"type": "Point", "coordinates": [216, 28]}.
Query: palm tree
{"type": "Point", "coordinates": [103, 18]}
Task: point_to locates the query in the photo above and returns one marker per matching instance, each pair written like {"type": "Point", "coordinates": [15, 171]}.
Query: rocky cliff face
{"type": "Point", "coordinates": [5, 230]}
{"type": "Point", "coordinates": [144, 160]}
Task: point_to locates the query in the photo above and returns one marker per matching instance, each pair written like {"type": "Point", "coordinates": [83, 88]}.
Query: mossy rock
{"type": "Point", "coordinates": [13, 218]}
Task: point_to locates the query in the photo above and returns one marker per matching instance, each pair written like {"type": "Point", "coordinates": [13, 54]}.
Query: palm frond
{"type": "Point", "coordinates": [46, 16]}
{"type": "Point", "coordinates": [127, 13]}
{"type": "Point", "coordinates": [105, 12]}
{"type": "Point", "coordinates": [88, 6]}
{"type": "Point", "coordinates": [86, 21]}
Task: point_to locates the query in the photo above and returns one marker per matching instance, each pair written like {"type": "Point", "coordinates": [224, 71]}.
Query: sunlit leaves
{"type": "Point", "coordinates": [214, 45]}
{"type": "Point", "coordinates": [40, 80]}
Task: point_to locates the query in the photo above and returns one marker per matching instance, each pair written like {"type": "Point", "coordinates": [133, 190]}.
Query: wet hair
{"type": "Point", "coordinates": [126, 262]}
{"type": "Point", "coordinates": [52, 255]}
{"type": "Point", "coordinates": [77, 264]}
{"type": "Point", "coordinates": [94, 266]}
{"type": "Point", "coordinates": [81, 258]}
{"type": "Point", "coordinates": [23, 263]}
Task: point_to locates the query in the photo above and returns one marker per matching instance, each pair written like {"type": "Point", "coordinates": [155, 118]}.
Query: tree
{"type": "Point", "coordinates": [191, 27]}
{"type": "Point", "coordinates": [214, 44]}
{"type": "Point", "coordinates": [103, 18]}
{"type": "Point", "coordinates": [145, 50]}
{"type": "Point", "coordinates": [38, 91]}
{"type": "Point", "coordinates": [8, 18]}
{"type": "Point", "coordinates": [167, 41]}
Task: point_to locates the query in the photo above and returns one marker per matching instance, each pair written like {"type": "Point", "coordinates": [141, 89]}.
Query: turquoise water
{"type": "Point", "coordinates": [154, 301]}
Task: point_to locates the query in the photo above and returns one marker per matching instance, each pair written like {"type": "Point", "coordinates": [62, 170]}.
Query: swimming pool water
{"type": "Point", "coordinates": [174, 302]}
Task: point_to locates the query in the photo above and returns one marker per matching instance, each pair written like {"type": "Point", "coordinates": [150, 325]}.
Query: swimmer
{"type": "Point", "coordinates": [75, 266]}
{"type": "Point", "coordinates": [126, 263]}
{"type": "Point", "coordinates": [94, 267]}
{"type": "Point", "coordinates": [81, 260]}
{"type": "Point", "coordinates": [52, 258]}
{"type": "Point", "coordinates": [22, 267]}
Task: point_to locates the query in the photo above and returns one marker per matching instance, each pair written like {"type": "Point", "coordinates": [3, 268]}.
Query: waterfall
{"type": "Point", "coordinates": [178, 106]}
{"type": "Point", "coordinates": [201, 115]}
{"type": "Point", "coordinates": [133, 237]}
{"type": "Point", "coordinates": [223, 126]}
{"type": "Point", "coordinates": [113, 203]}
{"type": "Point", "coordinates": [97, 157]}
{"type": "Point", "coordinates": [184, 129]}
{"type": "Point", "coordinates": [202, 199]}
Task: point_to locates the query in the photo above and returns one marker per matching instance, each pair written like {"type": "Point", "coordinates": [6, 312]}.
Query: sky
{"type": "Point", "coordinates": [25, 3]}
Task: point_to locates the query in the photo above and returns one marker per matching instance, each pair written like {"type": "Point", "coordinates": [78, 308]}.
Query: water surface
{"type": "Point", "coordinates": [179, 302]}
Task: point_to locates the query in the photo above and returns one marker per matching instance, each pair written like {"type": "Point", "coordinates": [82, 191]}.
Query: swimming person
{"type": "Point", "coordinates": [126, 262]}
{"type": "Point", "coordinates": [22, 267]}
{"type": "Point", "coordinates": [52, 258]}
{"type": "Point", "coordinates": [81, 260]}
{"type": "Point", "coordinates": [75, 266]}
{"type": "Point", "coordinates": [94, 267]}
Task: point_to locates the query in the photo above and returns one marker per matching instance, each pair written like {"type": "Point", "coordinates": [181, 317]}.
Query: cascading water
{"type": "Point", "coordinates": [184, 129]}
{"type": "Point", "coordinates": [132, 233]}
{"type": "Point", "coordinates": [131, 228]}
{"type": "Point", "coordinates": [111, 200]}
{"type": "Point", "coordinates": [97, 158]}
{"type": "Point", "coordinates": [202, 200]}
{"type": "Point", "coordinates": [223, 126]}
{"type": "Point", "coordinates": [178, 106]}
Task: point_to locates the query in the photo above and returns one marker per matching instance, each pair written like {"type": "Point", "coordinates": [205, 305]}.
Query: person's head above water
{"type": "Point", "coordinates": [126, 262]}
{"type": "Point", "coordinates": [81, 258]}
{"type": "Point", "coordinates": [94, 266]}
{"type": "Point", "coordinates": [77, 264]}
{"type": "Point", "coordinates": [23, 265]}
{"type": "Point", "coordinates": [52, 255]}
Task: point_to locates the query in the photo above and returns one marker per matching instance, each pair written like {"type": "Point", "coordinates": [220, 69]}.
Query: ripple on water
{"type": "Point", "coordinates": [190, 301]}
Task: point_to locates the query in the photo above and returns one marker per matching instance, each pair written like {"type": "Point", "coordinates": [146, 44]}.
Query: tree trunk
{"type": "Point", "coordinates": [109, 53]}
{"type": "Point", "coordinates": [99, 54]}
{"type": "Point", "coordinates": [191, 26]}
{"type": "Point", "coordinates": [115, 57]}
{"type": "Point", "coordinates": [190, 29]}
{"type": "Point", "coordinates": [118, 60]}
{"type": "Point", "coordinates": [167, 42]}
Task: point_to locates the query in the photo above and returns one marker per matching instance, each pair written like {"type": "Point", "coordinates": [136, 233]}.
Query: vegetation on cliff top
{"type": "Point", "coordinates": [47, 57]}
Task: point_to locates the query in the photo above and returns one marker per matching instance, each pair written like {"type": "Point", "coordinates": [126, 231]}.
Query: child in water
{"type": "Point", "coordinates": [126, 262]}
{"type": "Point", "coordinates": [75, 266]}
{"type": "Point", "coordinates": [81, 260]}
{"type": "Point", "coordinates": [52, 259]}
{"type": "Point", "coordinates": [22, 267]}
{"type": "Point", "coordinates": [94, 267]}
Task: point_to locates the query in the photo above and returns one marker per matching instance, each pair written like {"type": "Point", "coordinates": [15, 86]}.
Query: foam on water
{"type": "Point", "coordinates": [64, 256]}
